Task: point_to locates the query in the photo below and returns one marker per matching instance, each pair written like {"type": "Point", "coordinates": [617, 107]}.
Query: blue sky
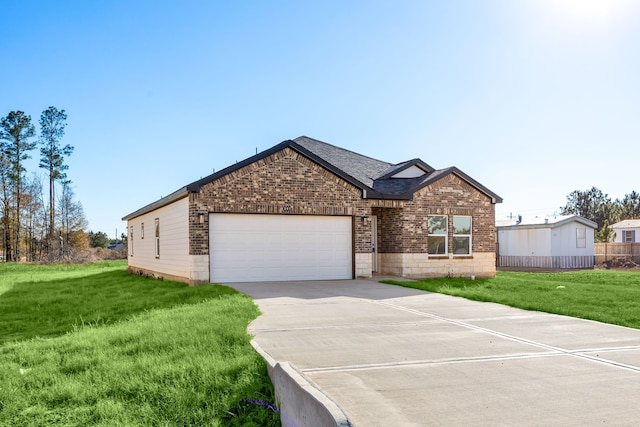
{"type": "Point", "coordinates": [534, 99]}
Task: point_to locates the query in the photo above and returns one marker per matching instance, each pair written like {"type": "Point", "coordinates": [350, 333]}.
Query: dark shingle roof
{"type": "Point", "coordinates": [375, 176]}
{"type": "Point", "coordinates": [372, 176]}
{"type": "Point", "coordinates": [364, 169]}
{"type": "Point", "coordinates": [396, 186]}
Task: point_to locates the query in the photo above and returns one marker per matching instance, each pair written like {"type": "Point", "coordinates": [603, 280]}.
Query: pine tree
{"type": "Point", "coordinates": [52, 154]}
{"type": "Point", "coordinates": [15, 132]}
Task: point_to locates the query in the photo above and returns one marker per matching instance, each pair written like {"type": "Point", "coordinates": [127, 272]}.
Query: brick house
{"type": "Point", "coordinates": [305, 209]}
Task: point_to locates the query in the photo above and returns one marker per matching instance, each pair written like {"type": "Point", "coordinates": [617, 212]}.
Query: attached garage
{"type": "Point", "coordinates": [308, 210]}
{"type": "Point", "coordinates": [263, 247]}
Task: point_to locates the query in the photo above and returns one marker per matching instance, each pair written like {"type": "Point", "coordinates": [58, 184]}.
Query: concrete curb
{"type": "Point", "coordinates": [301, 403]}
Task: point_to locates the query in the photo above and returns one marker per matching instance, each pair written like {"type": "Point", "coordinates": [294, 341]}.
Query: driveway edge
{"type": "Point", "coordinates": [301, 403]}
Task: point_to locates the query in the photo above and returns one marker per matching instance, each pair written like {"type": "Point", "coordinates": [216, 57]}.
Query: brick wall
{"type": "Point", "coordinates": [453, 196]}
{"type": "Point", "coordinates": [390, 230]}
{"type": "Point", "coordinates": [404, 230]}
{"type": "Point", "coordinates": [285, 183]}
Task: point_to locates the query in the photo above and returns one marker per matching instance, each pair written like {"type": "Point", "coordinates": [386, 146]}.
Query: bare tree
{"type": "Point", "coordinates": [34, 222]}
{"type": "Point", "coordinates": [5, 202]}
{"type": "Point", "coordinates": [73, 220]}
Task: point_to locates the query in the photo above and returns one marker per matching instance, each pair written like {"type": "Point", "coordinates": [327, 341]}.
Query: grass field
{"type": "Point", "coordinates": [603, 295]}
{"type": "Point", "coordinates": [93, 346]}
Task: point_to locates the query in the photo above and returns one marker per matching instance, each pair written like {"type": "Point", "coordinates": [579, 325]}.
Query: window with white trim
{"type": "Point", "coordinates": [461, 235]}
{"type": "Point", "coordinates": [131, 240]}
{"type": "Point", "coordinates": [581, 237]}
{"type": "Point", "coordinates": [438, 235]}
{"type": "Point", "coordinates": [628, 236]}
{"type": "Point", "coordinates": [157, 237]}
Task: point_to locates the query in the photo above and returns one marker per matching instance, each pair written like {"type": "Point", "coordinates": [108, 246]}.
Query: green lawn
{"type": "Point", "coordinates": [93, 346]}
{"type": "Point", "coordinates": [603, 295]}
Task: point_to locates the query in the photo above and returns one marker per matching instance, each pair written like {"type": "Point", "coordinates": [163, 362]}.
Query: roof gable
{"type": "Point", "coordinates": [410, 172]}
{"type": "Point", "coordinates": [376, 178]}
{"type": "Point", "coordinates": [410, 169]}
{"type": "Point", "coordinates": [544, 222]}
{"type": "Point", "coordinates": [627, 223]}
{"type": "Point", "coordinates": [380, 179]}
{"type": "Point", "coordinates": [439, 174]}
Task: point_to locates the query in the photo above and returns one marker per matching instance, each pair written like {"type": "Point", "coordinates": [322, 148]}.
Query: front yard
{"type": "Point", "coordinates": [92, 345]}
{"type": "Point", "coordinates": [606, 296]}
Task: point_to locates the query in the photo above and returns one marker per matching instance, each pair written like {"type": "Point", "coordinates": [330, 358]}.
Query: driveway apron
{"type": "Point", "coordinates": [393, 356]}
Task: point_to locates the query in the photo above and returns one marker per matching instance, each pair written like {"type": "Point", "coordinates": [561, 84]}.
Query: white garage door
{"type": "Point", "coordinates": [250, 248]}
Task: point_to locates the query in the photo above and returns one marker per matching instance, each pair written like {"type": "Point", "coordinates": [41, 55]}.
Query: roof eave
{"type": "Point", "coordinates": [624, 224]}
{"type": "Point", "coordinates": [167, 200]}
{"type": "Point", "coordinates": [565, 221]}
{"type": "Point", "coordinates": [382, 196]}
{"type": "Point", "coordinates": [581, 220]}
{"type": "Point", "coordinates": [493, 196]}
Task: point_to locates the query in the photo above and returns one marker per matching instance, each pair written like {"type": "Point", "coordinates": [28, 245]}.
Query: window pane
{"type": "Point", "coordinates": [157, 237]}
{"type": "Point", "coordinates": [461, 225]}
{"type": "Point", "coordinates": [581, 237]}
{"type": "Point", "coordinates": [437, 245]}
{"type": "Point", "coordinates": [461, 246]}
{"type": "Point", "coordinates": [437, 224]}
{"type": "Point", "coordinates": [629, 236]}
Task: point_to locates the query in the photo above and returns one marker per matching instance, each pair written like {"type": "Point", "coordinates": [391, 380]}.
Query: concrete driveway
{"type": "Point", "coordinates": [392, 356]}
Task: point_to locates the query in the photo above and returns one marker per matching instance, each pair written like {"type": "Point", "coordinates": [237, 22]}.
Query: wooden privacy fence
{"type": "Point", "coordinates": [608, 251]}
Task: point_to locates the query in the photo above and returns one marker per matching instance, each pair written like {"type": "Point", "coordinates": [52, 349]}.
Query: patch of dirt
{"type": "Point", "coordinates": [619, 264]}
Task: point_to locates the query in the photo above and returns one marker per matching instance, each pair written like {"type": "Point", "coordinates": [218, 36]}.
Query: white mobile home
{"type": "Point", "coordinates": [558, 242]}
{"type": "Point", "coordinates": [627, 231]}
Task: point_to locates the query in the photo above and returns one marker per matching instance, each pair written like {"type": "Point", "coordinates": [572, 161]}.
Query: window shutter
{"type": "Point", "coordinates": [633, 236]}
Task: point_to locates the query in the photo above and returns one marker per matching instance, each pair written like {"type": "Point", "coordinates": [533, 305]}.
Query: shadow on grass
{"type": "Point", "coordinates": [43, 308]}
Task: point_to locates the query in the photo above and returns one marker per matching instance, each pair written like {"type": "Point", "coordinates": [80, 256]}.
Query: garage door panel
{"type": "Point", "coordinates": [247, 247]}
{"type": "Point", "coordinates": [235, 260]}
{"type": "Point", "coordinates": [232, 240]}
{"type": "Point", "coordinates": [328, 260]}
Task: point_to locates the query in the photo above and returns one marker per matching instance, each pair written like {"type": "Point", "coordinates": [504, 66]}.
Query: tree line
{"type": "Point", "coordinates": [598, 207]}
{"type": "Point", "coordinates": [34, 227]}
